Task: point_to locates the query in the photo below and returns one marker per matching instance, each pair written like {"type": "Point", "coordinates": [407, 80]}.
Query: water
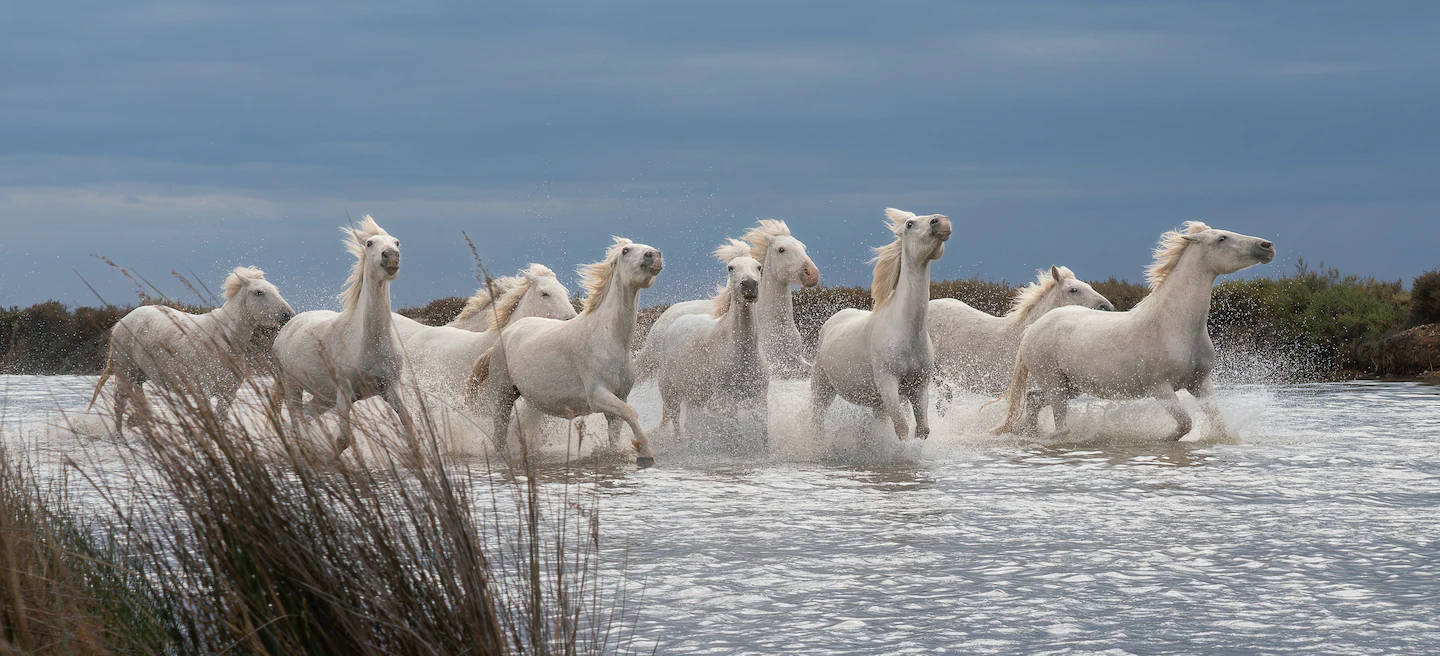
{"type": "Point", "coordinates": [1317, 531]}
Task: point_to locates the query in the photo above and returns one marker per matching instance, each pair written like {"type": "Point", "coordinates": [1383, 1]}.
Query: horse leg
{"type": "Point", "coordinates": [889, 388]}
{"type": "Point", "coordinates": [919, 398]}
{"type": "Point", "coordinates": [1171, 402]}
{"type": "Point", "coordinates": [343, 401]}
{"type": "Point", "coordinates": [122, 396]}
{"type": "Point", "coordinates": [1205, 392]}
{"type": "Point", "coordinates": [616, 409]}
{"type": "Point", "coordinates": [822, 393]}
{"type": "Point", "coordinates": [392, 396]}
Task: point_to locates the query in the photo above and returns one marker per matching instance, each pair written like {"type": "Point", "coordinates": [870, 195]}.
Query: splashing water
{"type": "Point", "coordinates": [1317, 530]}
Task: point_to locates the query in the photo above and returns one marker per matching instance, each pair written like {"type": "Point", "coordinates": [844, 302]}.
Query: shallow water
{"type": "Point", "coordinates": [1316, 531]}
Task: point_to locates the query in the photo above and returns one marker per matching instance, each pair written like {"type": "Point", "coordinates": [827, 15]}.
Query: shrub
{"type": "Point", "coordinates": [437, 312]}
{"type": "Point", "coordinates": [1425, 298]}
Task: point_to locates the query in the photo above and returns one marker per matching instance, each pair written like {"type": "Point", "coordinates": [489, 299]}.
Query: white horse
{"type": "Point", "coordinates": [442, 357]}
{"type": "Point", "coordinates": [1154, 350]}
{"type": "Point", "coordinates": [200, 354]}
{"type": "Point", "coordinates": [475, 316]}
{"type": "Point", "coordinates": [717, 356]}
{"type": "Point", "coordinates": [785, 262]}
{"type": "Point", "coordinates": [351, 355]}
{"type": "Point", "coordinates": [977, 349]}
{"type": "Point", "coordinates": [879, 358]}
{"type": "Point", "coordinates": [572, 368]}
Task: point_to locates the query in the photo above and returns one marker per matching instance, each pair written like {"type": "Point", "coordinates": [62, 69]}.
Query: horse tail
{"type": "Point", "coordinates": [1016, 397]}
{"type": "Point", "coordinates": [479, 374]}
{"type": "Point", "coordinates": [104, 376]}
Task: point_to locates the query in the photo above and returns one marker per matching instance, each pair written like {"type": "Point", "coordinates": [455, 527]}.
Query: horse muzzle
{"type": "Point", "coordinates": [940, 227]}
{"type": "Point", "coordinates": [653, 263]}
{"type": "Point", "coordinates": [809, 275]}
{"type": "Point", "coordinates": [1266, 252]}
{"type": "Point", "coordinates": [390, 261]}
{"type": "Point", "coordinates": [750, 290]}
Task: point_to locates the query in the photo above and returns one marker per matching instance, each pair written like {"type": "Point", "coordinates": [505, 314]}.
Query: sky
{"type": "Point", "coordinates": [198, 136]}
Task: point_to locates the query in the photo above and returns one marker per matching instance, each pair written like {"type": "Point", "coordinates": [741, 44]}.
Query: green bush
{"type": "Point", "coordinates": [1425, 298]}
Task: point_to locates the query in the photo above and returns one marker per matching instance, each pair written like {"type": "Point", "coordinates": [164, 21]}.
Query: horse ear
{"type": "Point", "coordinates": [1055, 273]}
{"type": "Point", "coordinates": [1191, 238]}
{"type": "Point", "coordinates": [898, 215]}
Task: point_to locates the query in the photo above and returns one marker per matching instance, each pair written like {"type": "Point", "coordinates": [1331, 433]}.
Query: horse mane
{"type": "Point", "coordinates": [354, 242]}
{"type": "Point", "coordinates": [476, 304]}
{"type": "Point", "coordinates": [236, 280]}
{"type": "Point", "coordinates": [759, 237]}
{"type": "Point", "coordinates": [595, 277]}
{"type": "Point", "coordinates": [726, 252]}
{"type": "Point", "coordinates": [507, 303]}
{"type": "Point", "coordinates": [1030, 295]}
{"type": "Point", "coordinates": [887, 260]}
{"type": "Point", "coordinates": [1167, 253]}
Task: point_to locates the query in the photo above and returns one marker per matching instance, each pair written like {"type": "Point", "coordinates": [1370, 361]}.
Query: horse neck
{"type": "Point", "coordinates": [234, 327]}
{"type": "Point", "coordinates": [1183, 301]}
{"type": "Point", "coordinates": [617, 313]}
{"type": "Point", "coordinates": [776, 309]}
{"type": "Point", "coordinates": [373, 312]}
{"type": "Point", "coordinates": [908, 304]}
{"type": "Point", "coordinates": [1015, 323]}
{"type": "Point", "coordinates": [739, 323]}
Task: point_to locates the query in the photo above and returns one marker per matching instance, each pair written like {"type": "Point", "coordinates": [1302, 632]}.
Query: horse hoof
{"type": "Point", "coordinates": [644, 462]}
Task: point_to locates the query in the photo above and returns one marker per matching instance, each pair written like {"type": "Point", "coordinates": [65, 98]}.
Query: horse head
{"type": "Point", "coordinates": [1069, 290]}
{"type": "Point", "coordinates": [922, 237]}
{"type": "Point", "coordinates": [544, 295]}
{"type": "Point", "coordinates": [744, 278]}
{"type": "Point", "coordinates": [256, 298]}
{"type": "Point", "coordinates": [1222, 251]}
{"type": "Point", "coordinates": [638, 264]}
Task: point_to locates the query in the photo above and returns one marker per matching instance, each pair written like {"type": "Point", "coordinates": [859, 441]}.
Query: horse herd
{"type": "Point", "coordinates": [520, 338]}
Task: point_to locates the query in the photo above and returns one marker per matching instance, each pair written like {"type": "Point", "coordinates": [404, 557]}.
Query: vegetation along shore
{"type": "Point", "coordinates": [1327, 324]}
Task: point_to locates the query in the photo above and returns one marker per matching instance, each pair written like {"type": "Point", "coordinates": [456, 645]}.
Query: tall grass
{"type": "Point", "coordinates": [226, 536]}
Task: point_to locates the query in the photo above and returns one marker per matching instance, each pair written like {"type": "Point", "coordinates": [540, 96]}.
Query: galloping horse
{"type": "Point", "coordinates": [572, 368]}
{"type": "Point", "coordinates": [877, 358]}
{"type": "Point", "coordinates": [183, 352]}
{"type": "Point", "coordinates": [1154, 350]}
{"type": "Point", "coordinates": [351, 355]}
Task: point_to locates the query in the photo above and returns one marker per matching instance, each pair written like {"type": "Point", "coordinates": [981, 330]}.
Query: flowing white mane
{"type": "Point", "coordinates": [507, 303]}
{"type": "Point", "coordinates": [759, 237]}
{"type": "Point", "coordinates": [1167, 253]}
{"type": "Point", "coordinates": [1030, 295]}
{"type": "Point", "coordinates": [354, 242]}
{"type": "Point", "coordinates": [236, 280]}
{"type": "Point", "coordinates": [595, 277]}
{"type": "Point", "coordinates": [475, 304]}
{"type": "Point", "coordinates": [887, 260]}
{"type": "Point", "coordinates": [726, 252]}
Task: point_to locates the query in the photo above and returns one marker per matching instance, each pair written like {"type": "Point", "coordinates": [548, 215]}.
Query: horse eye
{"type": "Point", "coordinates": [730, 268]}
{"type": "Point", "coordinates": [782, 249]}
{"type": "Point", "coordinates": [259, 292]}
{"type": "Point", "coordinates": [545, 294]}
{"type": "Point", "coordinates": [625, 251]}
{"type": "Point", "coordinates": [1074, 291]}
{"type": "Point", "coordinates": [910, 223]}
{"type": "Point", "coordinates": [1222, 238]}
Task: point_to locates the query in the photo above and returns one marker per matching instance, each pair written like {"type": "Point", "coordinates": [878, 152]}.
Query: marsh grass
{"type": "Point", "coordinates": [234, 535]}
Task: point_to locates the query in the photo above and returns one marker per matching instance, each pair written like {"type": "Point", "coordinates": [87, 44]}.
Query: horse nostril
{"type": "Point", "coordinates": [934, 221]}
{"type": "Point", "coordinates": [1266, 244]}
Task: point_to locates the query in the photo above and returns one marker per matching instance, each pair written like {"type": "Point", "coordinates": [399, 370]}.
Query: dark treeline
{"type": "Point", "coordinates": [1330, 323]}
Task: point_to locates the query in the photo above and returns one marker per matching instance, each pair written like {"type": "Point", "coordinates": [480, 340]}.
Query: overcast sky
{"type": "Point", "coordinates": [175, 135]}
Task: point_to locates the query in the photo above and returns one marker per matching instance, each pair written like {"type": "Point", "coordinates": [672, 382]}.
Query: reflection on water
{"type": "Point", "coordinates": [1317, 530]}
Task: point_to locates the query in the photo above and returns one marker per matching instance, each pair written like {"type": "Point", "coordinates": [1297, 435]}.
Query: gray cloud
{"type": "Point", "coordinates": [168, 135]}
